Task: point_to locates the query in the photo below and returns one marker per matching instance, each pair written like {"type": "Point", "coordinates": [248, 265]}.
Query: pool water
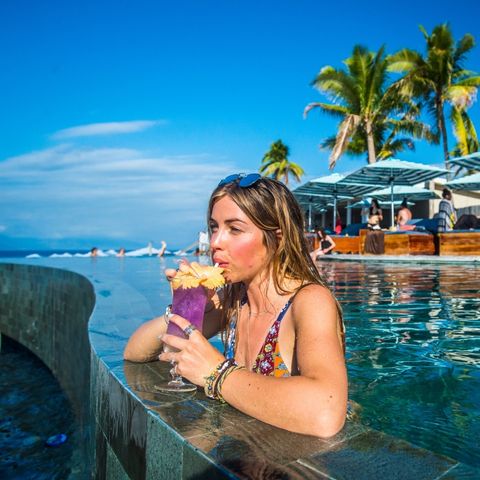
{"type": "Point", "coordinates": [413, 341]}
{"type": "Point", "coordinates": [413, 350]}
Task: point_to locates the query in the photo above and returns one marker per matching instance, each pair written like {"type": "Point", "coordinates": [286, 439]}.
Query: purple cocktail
{"type": "Point", "coordinates": [190, 304]}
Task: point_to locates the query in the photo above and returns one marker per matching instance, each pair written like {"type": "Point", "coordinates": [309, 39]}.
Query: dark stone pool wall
{"type": "Point", "coordinates": [47, 310]}
{"type": "Point", "coordinates": [132, 431]}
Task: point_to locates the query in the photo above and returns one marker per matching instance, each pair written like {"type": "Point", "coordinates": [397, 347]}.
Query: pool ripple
{"type": "Point", "coordinates": [413, 350]}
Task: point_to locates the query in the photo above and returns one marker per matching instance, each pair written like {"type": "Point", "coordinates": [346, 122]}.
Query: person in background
{"type": "Point", "coordinates": [446, 212]}
{"type": "Point", "coordinates": [365, 210]}
{"type": "Point", "coordinates": [327, 244]}
{"type": "Point", "coordinates": [283, 360]}
{"type": "Point", "coordinates": [338, 224]}
{"type": "Point", "coordinates": [94, 252]}
{"type": "Point", "coordinates": [162, 249]}
{"type": "Point", "coordinates": [404, 215]}
{"type": "Point", "coordinates": [121, 252]}
{"type": "Point", "coordinates": [375, 215]}
{"type": "Point", "coordinates": [467, 221]}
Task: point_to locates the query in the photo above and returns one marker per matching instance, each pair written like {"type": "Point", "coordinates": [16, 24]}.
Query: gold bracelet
{"type": "Point", "coordinates": [211, 380]}
{"type": "Point", "coordinates": [221, 379]}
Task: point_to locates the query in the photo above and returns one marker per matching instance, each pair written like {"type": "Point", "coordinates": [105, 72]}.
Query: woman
{"type": "Point", "coordinates": [281, 324]}
{"type": "Point", "coordinates": [327, 244]}
{"type": "Point", "coordinates": [375, 215]}
{"type": "Point", "coordinates": [446, 212]}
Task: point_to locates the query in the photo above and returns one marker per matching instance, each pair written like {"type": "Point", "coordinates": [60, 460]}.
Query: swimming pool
{"type": "Point", "coordinates": [413, 350]}
{"type": "Point", "coordinates": [413, 343]}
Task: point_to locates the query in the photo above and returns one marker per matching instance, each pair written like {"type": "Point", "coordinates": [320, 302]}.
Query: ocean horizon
{"type": "Point", "coordinates": [79, 252]}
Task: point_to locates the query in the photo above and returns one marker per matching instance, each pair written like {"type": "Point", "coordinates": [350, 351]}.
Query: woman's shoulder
{"type": "Point", "coordinates": [313, 296]}
{"type": "Point", "coordinates": [314, 309]}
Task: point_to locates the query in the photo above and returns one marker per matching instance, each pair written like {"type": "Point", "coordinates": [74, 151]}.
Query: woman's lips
{"type": "Point", "coordinates": [221, 263]}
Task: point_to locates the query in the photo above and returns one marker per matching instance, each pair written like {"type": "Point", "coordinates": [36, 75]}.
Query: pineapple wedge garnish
{"type": "Point", "coordinates": [193, 275]}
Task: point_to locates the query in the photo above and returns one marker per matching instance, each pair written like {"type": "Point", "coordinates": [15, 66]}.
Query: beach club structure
{"type": "Point", "coordinates": [390, 182]}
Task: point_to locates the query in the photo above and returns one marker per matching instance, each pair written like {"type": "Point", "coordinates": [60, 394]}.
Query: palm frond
{"type": "Point", "coordinates": [345, 131]}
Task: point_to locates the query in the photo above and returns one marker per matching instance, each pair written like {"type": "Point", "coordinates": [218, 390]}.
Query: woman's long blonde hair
{"type": "Point", "coordinates": [271, 206]}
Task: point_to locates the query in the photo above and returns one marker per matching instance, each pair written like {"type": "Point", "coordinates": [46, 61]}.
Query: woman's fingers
{"type": "Point", "coordinates": [174, 341]}
{"type": "Point", "coordinates": [170, 273]}
{"type": "Point", "coordinates": [183, 324]}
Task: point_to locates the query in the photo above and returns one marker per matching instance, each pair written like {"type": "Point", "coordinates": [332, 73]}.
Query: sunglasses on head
{"type": "Point", "coordinates": [244, 179]}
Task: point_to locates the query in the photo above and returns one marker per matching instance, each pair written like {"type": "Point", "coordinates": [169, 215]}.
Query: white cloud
{"type": "Point", "coordinates": [88, 192]}
{"type": "Point", "coordinates": [108, 128]}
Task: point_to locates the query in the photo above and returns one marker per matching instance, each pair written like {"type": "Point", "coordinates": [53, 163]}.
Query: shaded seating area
{"type": "Point", "coordinates": [459, 242]}
{"type": "Point", "coordinates": [403, 243]}
{"type": "Point", "coordinates": [346, 244]}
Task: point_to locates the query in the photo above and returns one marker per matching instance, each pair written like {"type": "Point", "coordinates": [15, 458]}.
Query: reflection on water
{"type": "Point", "coordinates": [413, 350]}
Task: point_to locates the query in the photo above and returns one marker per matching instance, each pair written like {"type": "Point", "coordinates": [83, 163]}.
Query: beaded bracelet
{"type": "Point", "coordinates": [211, 380]}
{"type": "Point", "coordinates": [222, 377]}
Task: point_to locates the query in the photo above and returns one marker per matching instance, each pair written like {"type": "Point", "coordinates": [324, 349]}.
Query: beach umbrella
{"type": "Point", "coordinates": [363, 204]}
{"type": "Point", "coordinates": [402, 191]}
{"type": "Point", "coordinates": [333, 187]}
{"type": "Point", "coordinates": [394, 172]}
{"type": "Point", "coordinates": [470, 182]}
{"type": "Point", "coordinates": [471, 161]}
{"type": "Point", "coordinates": [312, 204]}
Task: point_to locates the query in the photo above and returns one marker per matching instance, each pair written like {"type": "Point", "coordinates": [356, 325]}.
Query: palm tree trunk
{"type": "Point", "coordinates": [443, 130]}
{"type": "Point", "coordinates": [372, 157]}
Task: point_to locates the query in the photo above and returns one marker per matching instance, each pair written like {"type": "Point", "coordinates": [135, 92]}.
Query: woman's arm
{"type": "Point", "coordinates": [332, 244]}
{"type": "Point", "coordinates": [312, 403]}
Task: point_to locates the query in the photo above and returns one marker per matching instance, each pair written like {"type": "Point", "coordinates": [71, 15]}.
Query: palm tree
{"type": "Point", "coordinates": [275, 163]}
{"type": "Point", "coordinates": [438, 78]}
{"type": "Point", "coordinates": [371, 114]}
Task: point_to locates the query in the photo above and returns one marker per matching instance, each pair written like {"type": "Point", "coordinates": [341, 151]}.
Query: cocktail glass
{"type": "Point", "coordinates": [189, 303]}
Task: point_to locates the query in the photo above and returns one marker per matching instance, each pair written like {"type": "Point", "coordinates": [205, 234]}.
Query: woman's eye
{"type": "Point", "coordinates": [235, 230]}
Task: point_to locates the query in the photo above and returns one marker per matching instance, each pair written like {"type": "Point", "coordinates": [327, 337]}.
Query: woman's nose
{"type": "Point", "coordinates": [216, 240]}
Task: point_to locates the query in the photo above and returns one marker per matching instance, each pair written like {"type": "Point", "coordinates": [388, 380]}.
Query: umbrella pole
{"type": "Point", "coordinates": [309, 215]}
{"type": "Point", "coordinates": [334, 212]}
{"type": "Point", "coordinates": [391, 204]}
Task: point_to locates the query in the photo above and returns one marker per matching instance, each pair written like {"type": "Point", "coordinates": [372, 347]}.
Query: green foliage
{"type": "Point", "coordinates": [372, 114]}
{"type": "Point", "coordinates": [438, 78]}
{"type": "Point", "coordinates": [465, 133]}
{"type": "Point", "coordinates": [275, 164]}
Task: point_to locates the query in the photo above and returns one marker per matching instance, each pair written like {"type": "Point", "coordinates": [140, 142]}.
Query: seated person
{"type": "Point", "coordinates": [326, 246]}
{"type": "Point", "coordinates": [375, 215]}
{"type": "Point", "coordinates": [283, 360]}
{"type": "Point", "coordinates": [404, 215]}
{"type": "Point", "coordinates": [467, 222]}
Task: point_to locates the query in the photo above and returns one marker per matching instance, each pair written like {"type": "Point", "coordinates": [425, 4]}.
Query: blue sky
{"type": "Point", "coordinates": [118, 118]}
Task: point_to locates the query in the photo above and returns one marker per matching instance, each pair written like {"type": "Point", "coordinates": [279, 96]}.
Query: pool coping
{"type": "Point", "coordinates": [436, 260]}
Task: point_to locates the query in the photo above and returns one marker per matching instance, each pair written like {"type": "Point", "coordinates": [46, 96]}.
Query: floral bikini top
{"type": "Point", "coordinates": [269, 361]}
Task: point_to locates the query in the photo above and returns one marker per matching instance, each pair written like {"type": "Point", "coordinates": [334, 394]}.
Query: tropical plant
{"type": "Point", "coordinates": [372, 115]}
{"type": "Point", "coordinates": [439, 78]}
{"type": "Point", "coordinates": [465, 133]}
{"type": "Point", "coordinates": [275, 163]}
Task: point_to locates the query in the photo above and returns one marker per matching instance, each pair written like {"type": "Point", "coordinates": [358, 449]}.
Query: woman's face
{"type": "Point", "coordinates": [236, 242]}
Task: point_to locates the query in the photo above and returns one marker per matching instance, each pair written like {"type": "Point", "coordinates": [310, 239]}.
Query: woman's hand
{"type": "Point", "coordinates": [196, 358]}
